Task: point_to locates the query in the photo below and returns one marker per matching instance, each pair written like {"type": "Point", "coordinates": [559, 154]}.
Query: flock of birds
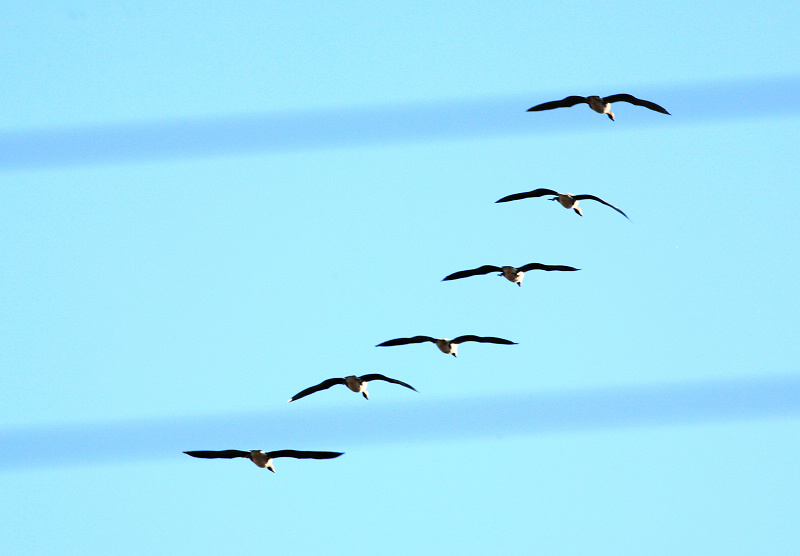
{"type": "Point", "coordinates": [358, 384]}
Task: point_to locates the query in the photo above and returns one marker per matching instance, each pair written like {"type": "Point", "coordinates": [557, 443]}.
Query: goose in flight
{"type": "Point", "coordinates": [511, 273]}
{"type": "Point", "coordinates": [355, 383]}
{"type": "Point", "coordinates": [445, 345]}
{"type": "Point", "coordinates": [598, 104]}
{"type": "Point", "coordinates": [567, 200]}
{"type": "Point", "coordinates": [262, 458]}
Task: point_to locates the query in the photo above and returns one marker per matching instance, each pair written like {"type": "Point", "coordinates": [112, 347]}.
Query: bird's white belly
{"type": "Point", "coordinates": [354, 384]}
{"type": "Point", "coordinates": [445, 346]}
{"type": "Point", "coordinates": [567, 201]}
{"type": "Point", "coordinates": [513, 274]}
{"type": "Point", "coordinates": [259, 457]}
{"type": "Point", "coordinates": [598, 105]}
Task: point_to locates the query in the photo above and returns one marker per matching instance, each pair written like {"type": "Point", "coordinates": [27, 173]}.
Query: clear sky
{"type": "Point", "coordinates": [207, 208]}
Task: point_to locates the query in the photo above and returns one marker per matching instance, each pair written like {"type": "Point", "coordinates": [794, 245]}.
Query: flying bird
{"type": "Point", "coordinates": [355, 383]}
{"type": "Point", "coordinates": [598, 104]}
{"type": "Point", "coordinates": [445, 345]}
{"type": "Point", "coordinates": [262, 458]}
{"type": "Point", "coordinates": [511, 273]}
{"type": "Point", "coordinates": [567, 200]}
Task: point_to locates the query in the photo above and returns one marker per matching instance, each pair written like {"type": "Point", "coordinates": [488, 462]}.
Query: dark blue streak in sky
{"type": "Point", "coordinates": [387, 124]}
{"type": "Point", "coordinates": [358, 422]}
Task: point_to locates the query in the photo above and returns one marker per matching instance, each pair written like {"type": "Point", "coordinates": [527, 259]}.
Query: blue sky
{"type": "Point", "coordinates": [206, 209]}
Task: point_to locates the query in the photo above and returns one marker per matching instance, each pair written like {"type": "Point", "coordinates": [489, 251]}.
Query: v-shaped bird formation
{"type": "Point", "coordinates": [358, 384]}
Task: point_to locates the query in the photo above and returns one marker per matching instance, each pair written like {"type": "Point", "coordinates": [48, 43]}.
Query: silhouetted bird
{"type": "Point", "coordinates": [567, 200]}
{"type": "Point", "coordinates": [511, 273]}
{"type": "Point", "coordinates": [262, 458]}
{"type": "Point", "coordinates": [355, 383]}
{"type": "Point", "coordinates": [598, 104]}
{"type": "Point", "coordinates": [445, 345]}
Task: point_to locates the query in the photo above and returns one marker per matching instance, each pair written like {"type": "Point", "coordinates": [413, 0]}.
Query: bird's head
{"type": "Point", "coordinates": [610, 115]}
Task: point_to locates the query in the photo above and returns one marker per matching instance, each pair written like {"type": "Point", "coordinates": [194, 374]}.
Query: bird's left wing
{"type": "Point", "coordinates": [485, 269]}
{"type": "Point", "coordinates": [215, 454]}
{"type": "Point", "coordinates": [563, 103]}
{"type": "Point", "coordinates": [404, 341]}
{"type": "Point", "coordinates": [535, 193]}
{"type": "Point", "coordinates": [325, 384]}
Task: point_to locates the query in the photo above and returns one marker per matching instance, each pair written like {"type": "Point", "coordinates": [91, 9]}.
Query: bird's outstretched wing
{"type": "Point", "coordinates": [324, 385]}
{"type": "Point", "coordinates": [215, 454]}
{"type": "Point", "coordinates": [599, 200]}
{"type": "Point", "coordinates": [535, 193]}
{"type": "Point", "coordinates": [404, 341]}
{"type": "Point", "coordinates": [637, 101]}
{"type": "Point", "coordinates": [300, 454]}
{"type": "Point", "coordinates": [482, 339]}
{"type": "Point", "coordinates": [538, 266]}
{"type": "Point", "coordinates": [485, 269]}
{"type": "Point", "coordinates": [376, 376]}
{"type": "Point", "coordinates": [563, 103]}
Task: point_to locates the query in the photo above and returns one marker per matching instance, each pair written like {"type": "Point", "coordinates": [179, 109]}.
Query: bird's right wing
{"type": "Point", "coordinates": [563, 103]}
{"type": "Point", "coordinates": [599, 200]}
{"type": "Point", "coordinates": [376, 376]}
{"type": "Point", "coordinates": [482, 339]}
{"type": "Point", "coordinates": [486, 269]}
{"type": "Point", "coordinates": [213, 454]}
{"type": "Point", "coordinates": [300, 454]}
{"type": "Point", "coordinates": [535, 193]}
{"type": "Point", "coordinates": [637, 101]}
{"type": "Point", "coordinates": [539, 266]}
{"type": "Point", "coordinates": [325, 384]}
{"type": "Point", "coordinates": [404, 341]}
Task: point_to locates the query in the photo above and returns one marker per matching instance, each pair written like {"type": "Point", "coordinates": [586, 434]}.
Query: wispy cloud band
{"type": "Point", "coordinates": [320, 128]}
{"type": "Point", "coordinates": [356, 423]}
